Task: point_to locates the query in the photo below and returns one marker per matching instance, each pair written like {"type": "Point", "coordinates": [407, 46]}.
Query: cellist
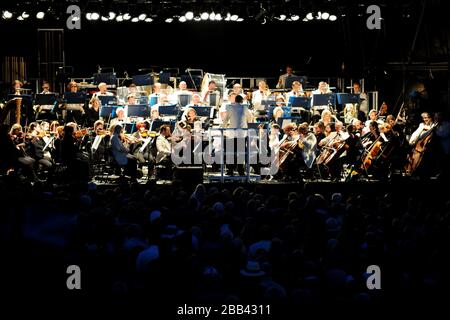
{"type": "Point", "coordinates": [423, 127]}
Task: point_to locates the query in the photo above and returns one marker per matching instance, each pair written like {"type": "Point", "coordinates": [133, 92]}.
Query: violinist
{"type": "Point", "coordinates": [11, 157]}
{"type": "Point", "coordinates": [319, 132]}
{"type": "Point", "coordinates": [121, 153]}
{"type": "Point", "coordinates": [97, 141]}
{"type": "Point", "coordinates": [141, 135]}
{"type": "Point", "coordinates": [35, 147]}
{"type": "Point", "coordinates": [77, 164]}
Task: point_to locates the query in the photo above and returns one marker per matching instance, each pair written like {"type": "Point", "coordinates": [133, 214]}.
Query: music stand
{"type": "Point", "coordinates": [164, 77]}
{"type": "Point", "coordinates": [300, 102]}
{"type": "Point", "coordinates": [168, 110]}
{"type": "Point", "coordinates": [193, 82]}
{"type": "Point", "coordinates": [75, 97]}
{"type": "Point", "coordinates": [143, 79]}
{"type": "Point", "coordinates": [324, 99]}
{"type": "Point", "coordinates": [156, 124]}
{"type": "Point", "coordinates": [344, 98]}
{"type": "Point", "coordinates": [107, 77]}
{"type": "Point", "coordinates": [107, 112]}
{"type": "Point", "coordinates": [143, 100]}
{"type": "Point", "coordinates": [214, 98]}
{"type": "Point", "coordinates": [107, 100]}
{"type": "Point", "coordinates": [138, 110]}
{"type": "Point", "coordinates": [184, 99]}
{"type": "Point", "coordinates": [45, 99]}
{"type": "Point", "coordinates": [153, 100]}
{"type": "Point", "coordinates": [129, 127]}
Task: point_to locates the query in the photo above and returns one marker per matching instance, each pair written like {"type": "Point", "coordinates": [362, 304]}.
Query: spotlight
{"type": "Point", "coordinates": [262, 22]}
{"type": "Point", "coordinates": [126, 16]}
{"type": "Point", "coordinates": [218, 17]}
{"type": "Point", "coordinates": [241, 19]}
{"type": "Point", "coordinates": [105, 18]}
{"type": "Point", "coordinates": [148, 20]}
{"type": "Point", "coordinates": [189, 15]}
{"type": "Point", "coordinates": [234, 17]}
{"type": "Point", "coordinates": [142, 16]}
{"type": "Point", "coordinates": [282, 17]}
{"type": "Point", "coordinates": [20, 18]}
{"type": "Point", "coordinates": [169, 20]}
{"type": "Point", "coordinates": [295, 17]}
{"type": "Point", "coordinates": [319, 15]}
{"type": "Point", "coordinates": [95, 16]}
{"type": "Point", "coordinates": [228, 18]}
{"type": "Point", "coordinates": [119, 18]}
{"type": "Point", "coordinates": [325, 15]}
{"type": "Point", "coordinates": [112, 15]}
{"type": "Point", "coordinates": [204, 16]}
{"type": "Point", "coordinates": [25, 15]}
{"type": "Point", "coordinates": [332, 18]}
{"type": "Point", "coordinates": [305, 20]}
{"type": "Point", "coordinates": [40, 15]}
{"type": "Point", "coordinates": [182, 19]}
{"type": "Point", "coordinates": [197, 18]}
{"type": "Point", "coordinates": [135, 19]}
{"type": "Point", "coordinates": [89, 16]}
{"type": "Point", "coordinates": [310, 16]}
{"type": "Point", "coordinates": [7, 15]}
{"type": "Point", "coordinates": [212, 16]}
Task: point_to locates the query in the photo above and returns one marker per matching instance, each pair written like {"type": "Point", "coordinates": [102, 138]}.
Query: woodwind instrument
{"type": "Point", "coordinates": [18, 109]}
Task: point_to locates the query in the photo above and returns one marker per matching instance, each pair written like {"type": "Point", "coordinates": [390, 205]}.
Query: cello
{"type": "Point", "coordinates": [416, 155]}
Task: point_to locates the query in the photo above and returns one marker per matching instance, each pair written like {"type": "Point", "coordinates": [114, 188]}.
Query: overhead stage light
{"type": "Point", "coordinates": [7, 15]}
{"type": "Point", "coordinates": [234, 17]}
{"type": "Point", "coordinates": [189, 15]}
{"type": "Point", "coordinates": [40, 15]}
{"type": "Point", "coordinates": [310, 16]}
{"type": "Point", "coordinates": [204, 16]}
{"type": "Point", "coordinates": [332, 18]}
{"type": "Point", "coordinates": [142, 16]}
{"type": "Point", "coordinates": [182, 19]}
{"type": "Point", "coordinates": [148, 20]}
{"type": "Point", "coordinates": [169, 20]}
{"type": "Point", "coordinates": [95, 16]}
{"type": "Point", "coordinates": [135, 19]}
{"type": "Point", "coordinates": [325, 15]}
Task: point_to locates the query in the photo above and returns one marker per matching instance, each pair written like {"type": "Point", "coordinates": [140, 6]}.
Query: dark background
{"type": "Point", "coordinates": [392, 60]}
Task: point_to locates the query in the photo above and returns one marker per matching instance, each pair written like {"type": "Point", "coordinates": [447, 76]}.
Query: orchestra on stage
{"type": "Point", "coordinates": [308, 133]}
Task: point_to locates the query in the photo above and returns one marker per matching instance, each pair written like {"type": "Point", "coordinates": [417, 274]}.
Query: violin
{"type": "Point", "coordinates": [102, 132]}
{"type": "Point", "coordinates": [81, 133]}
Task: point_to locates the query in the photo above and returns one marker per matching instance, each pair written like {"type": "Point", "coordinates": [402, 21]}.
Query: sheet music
{"type": "Point", "coordinates": [145, 144]}
{"type": "Point", "coordinates": [48, 143]}
{"type": "Point", "coordinates": [96, 142]}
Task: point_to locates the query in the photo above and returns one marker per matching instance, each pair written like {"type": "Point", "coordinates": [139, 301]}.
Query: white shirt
{"type": "Point", "coordinates": [419, 131]}
{"type": "Point", "coordinates": [237, 117]}
{"type": "Point", "coordinates": [257, 97]}
{"type": "Point", "coordinates": [163, 147]}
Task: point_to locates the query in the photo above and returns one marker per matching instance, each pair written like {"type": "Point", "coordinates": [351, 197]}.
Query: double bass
{"type": "Point", "coordinates": [416, 155]}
